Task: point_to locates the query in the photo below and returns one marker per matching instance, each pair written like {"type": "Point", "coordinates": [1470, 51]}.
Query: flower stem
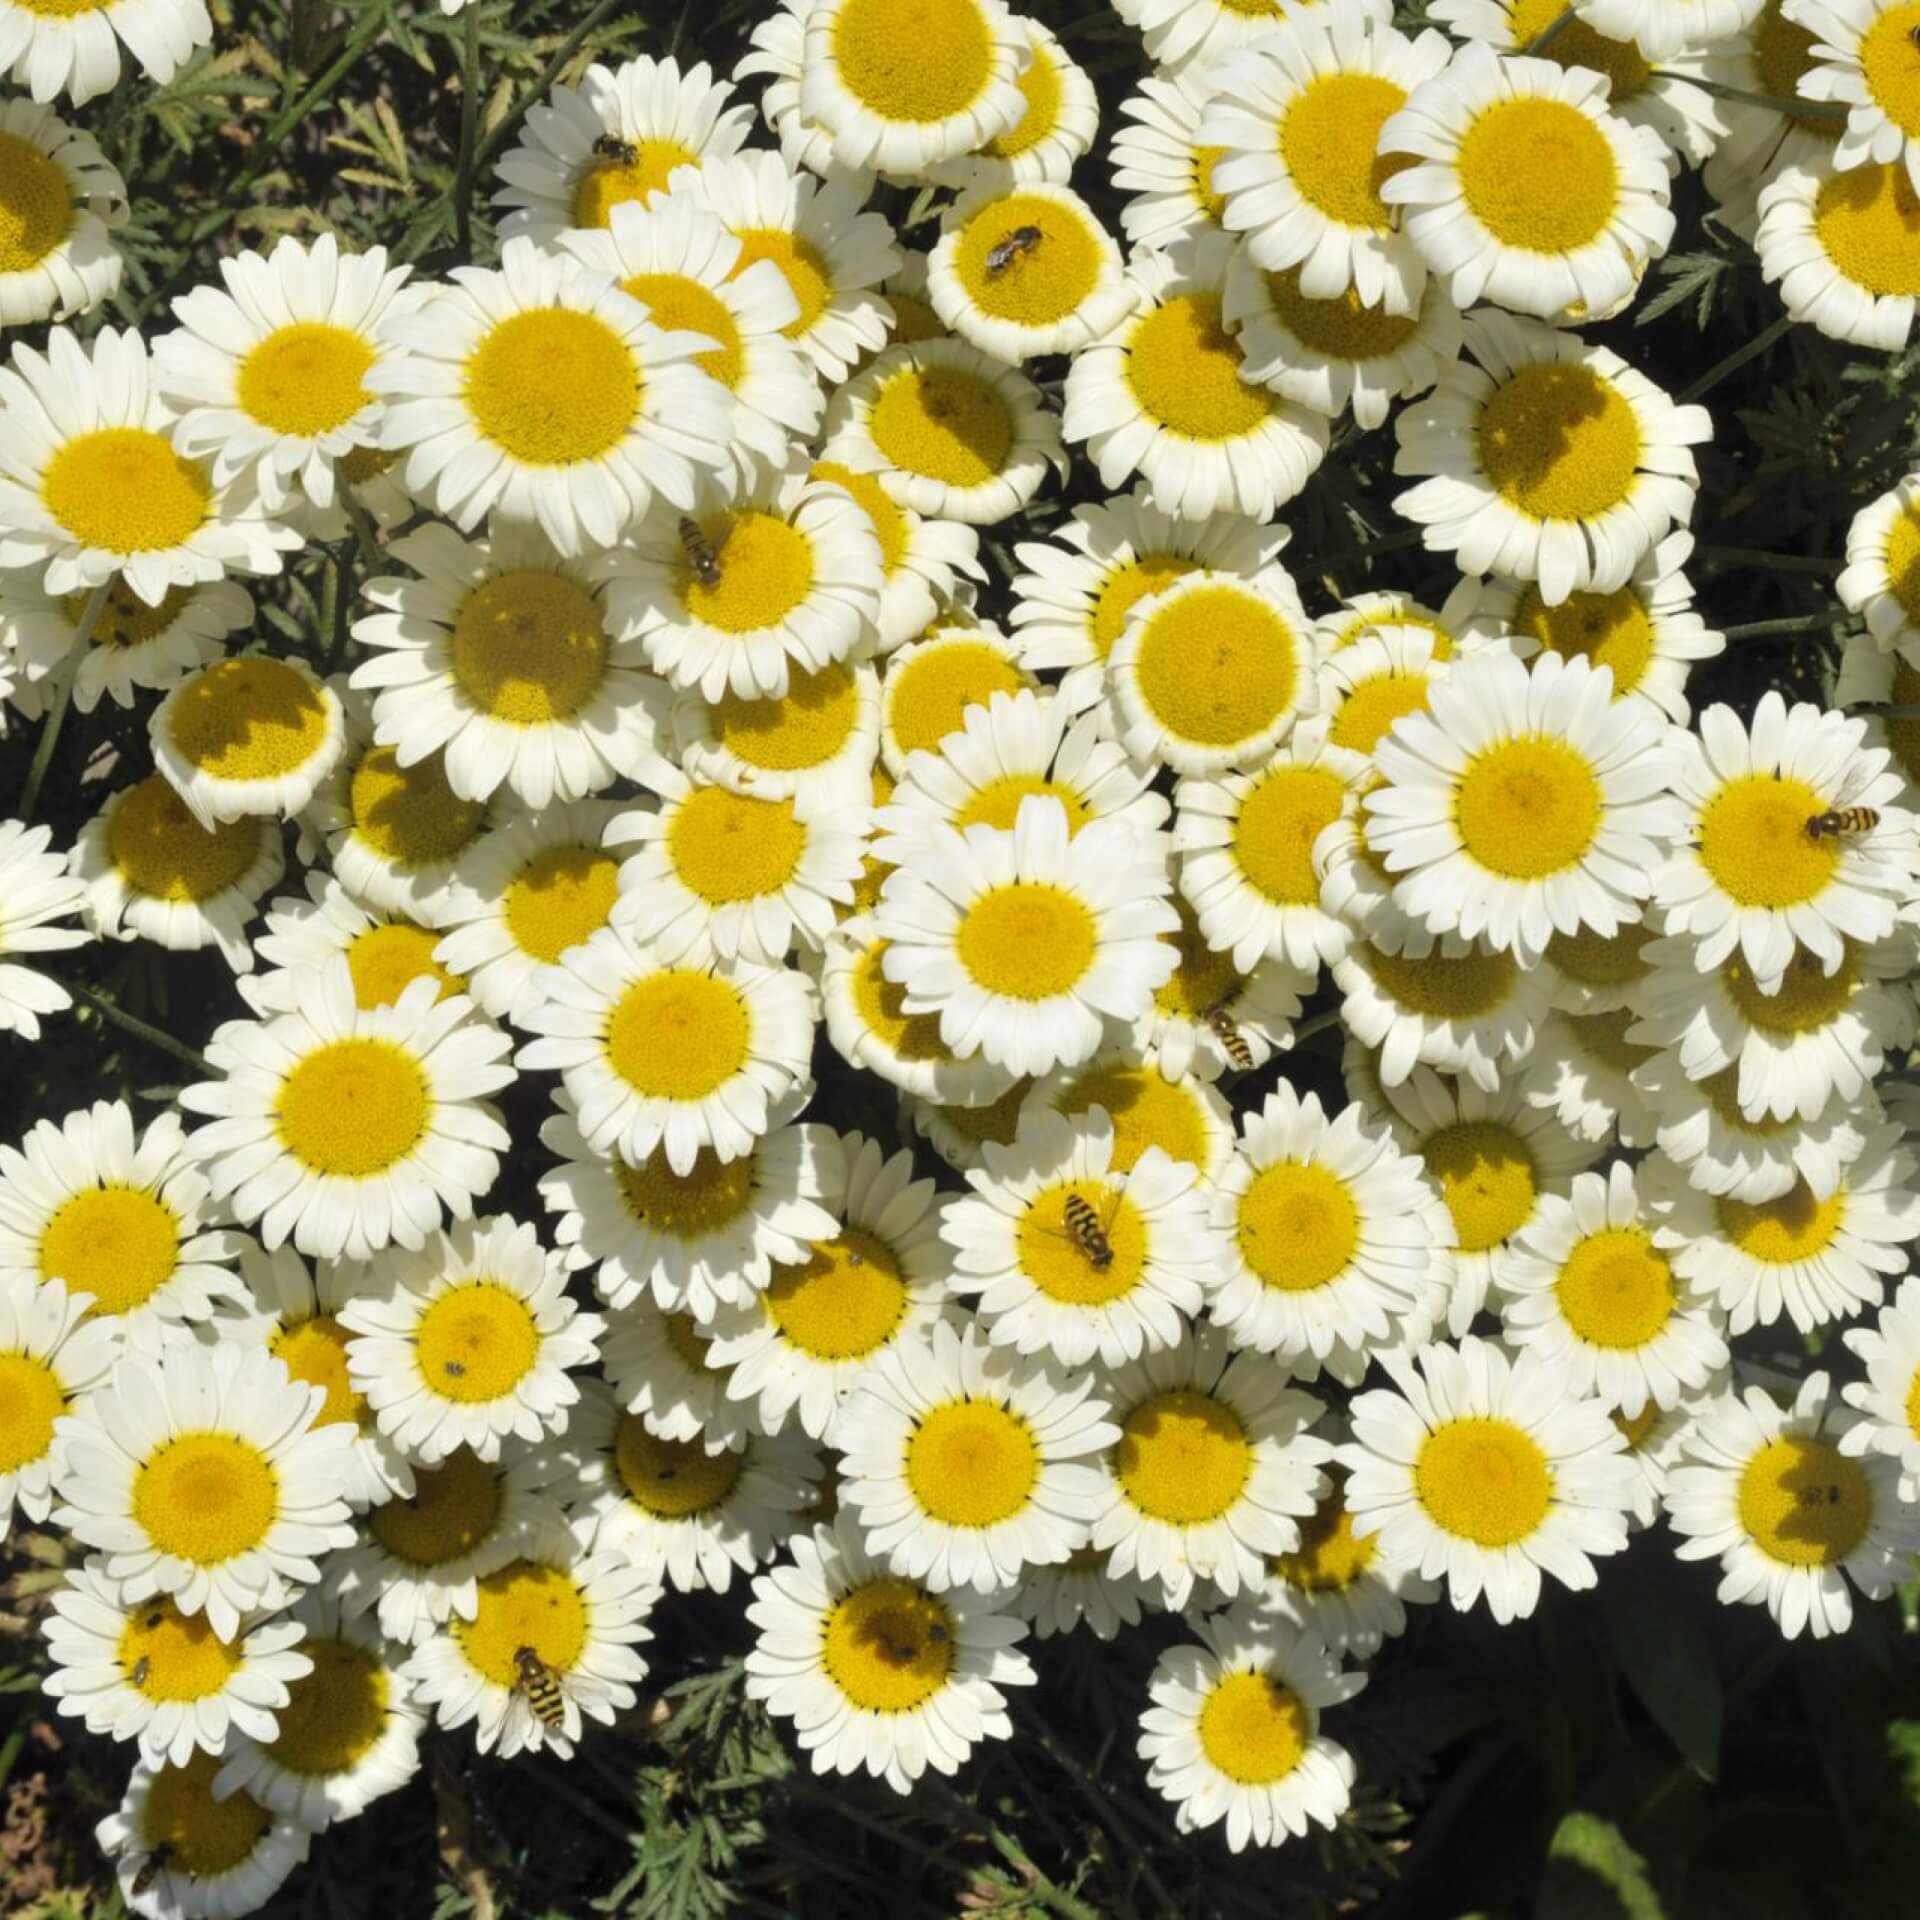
{"type": "Point", "coordinates": [1738, 358]}
{"type": "Point", "coordinates": [153, 1036]}
{"type": "Point", "coordinates": [62, 698]}
{"type": "Point", "coordinates": [1792, 623]}
{"type": "Point", "coordinates": [1548, 34]}
{"type": "Point", "coordinates": [1798, 108]}
{"type": "Point", "coordinates": [469, 116]}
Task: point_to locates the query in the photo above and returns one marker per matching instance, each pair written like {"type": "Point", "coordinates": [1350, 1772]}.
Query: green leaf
{"type": "Point", "coordinates": [1667, 1659]}
{"type": "Point", "coordinates": [1592, 1874]}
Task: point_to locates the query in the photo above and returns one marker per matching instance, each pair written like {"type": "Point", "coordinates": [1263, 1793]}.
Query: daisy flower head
{"type": "Point", "coordinates": [1517, 185]}
{"type": "Point", "coordinates": [1210, 1018]}
{"type": "Point", "coordinates": [1545, 458]}
{"type": "Point", "coordinates": [832, 256]}
{"type": "Point", "coordinates": [614, 141]}
{"type": "Point", "coordinates": [1167, 395]}
{"type": "Point", "coordinates": [1079, 1591]}
{"type": "Point", "coordinates": [711, 871]}
{"type": "Point", "coordinates": [384, 952]}
{"type": "Point", "coordinates": [153, 871]}
{"type": "Point", "coordinates": [270, 376]}
{"type": "Point", "coordinates": [1187, 1119]}
{"type": "Point", "coordinates": [1210, 674]}
{"type": "Point", "coordinates": [1026, 271]}
{"type": "Point", "coordinates": [195, 1692]}
{"type": "Point", "coordinates": [1157, 156]}
{"type": "Point", "coordinates": [1595, 973]}
{"type": "Point", "coordinates": [777, 51]}
{"type": "Point", "coordinates": [78, 54]}
{"type": "Point", "coordinates": [814, 745]}
{"type": "Point", "coordinates": [118, 1216]}
{"type": "Point", "coordinates": [697, 1240]}
{"type": "Point", "coordinates": [1059, 118]}
{"type": "Point", "coordinates": [1524, 802]}
{"type": "Point", "coordinates": [904, 88]}
{"type": "Point", "coordinates": [52, 1353]}
{"type": "Point", "coordinates": [1026, 944]}
{"type": "Point", "coordinates": [200, 1474]}
{"type": "Point", "coordinates": [1881, 580]}
{"type": "Point", "coordinates": [1071, 604]}
{"type": "Point", "coordinates": [1659, 33]}
{"type": "Point", "coordinates": [1300, 118]}
{"type": "Point", "coordinates": [467, 1340]}
{"type": "Point", "coordinates": [872, 1285]}
{"type": "Point", "coordinates": [1331, 1235]}
{"type": "Point", "coordinates": [349, 1731]}
{"type": "Point", "coordinates": [1844, 247]}
{"type": "Point", "coordinates": [1863, 59]}
{"type": "Point", "coordinates": [1071, 1258]}
{"type": "Point", "coordinates": [543, 391]}
{"type": "Point", "coordinates": [1794, 1517]}
{"type": "Point", "coordinates": [930, 684]}
{"type": "Point", "coordinates": [1234, 1734]}
{"type": "Point", "coordinates": [1888, 1399]}
{"type": "Point", "coordinates": [192, 1852]}
{"type": "Point", "coordinates": [1586, 1285]}
{"type": "Point", "coordinates": [658, 1369]}
{"type": "Point", "coordinates": [1215, 1468]}
{"type": "Point", "coordinates": [1582, 1068]}
{"type": "Point", "coordinates": [1794, 1257]}
{"type": "Point", "coordinates": [951, 432]}
{"type": "Point", "coordinates": [958, 1134]}
{"type": "Point", "coordinates": [1336, 353]}
{"type": "Point", "coordinates": [295, 1311]}
{"type": "Point", "coordinates": [1246, 843]}
{"type": "Point", "coordinates": [63, 200]}
{"type": "Point", "coordinates": [578, 1610]}
{"type": "Point", "coordinates": [346, 1129]}
{"type": "Point", "coordinates": [878, 1672]}
{"type": "Point", "coordinates": [1486, 1470]}
{"type": "Point", "coordinates": [1656, 1437]}
{"type": "Point", "coordinates": [513, 662]}
{"type": "Point", "coordinates": [685, 1055]}
{"type": "Point", "coordinates": [1449, 626]}
{"type": "Point", "coordinates": [787, 579]}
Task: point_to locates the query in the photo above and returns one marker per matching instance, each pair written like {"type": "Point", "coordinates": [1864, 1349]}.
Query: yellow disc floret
{"type": "Point", "coordinates": [560, 898]}
{"type": "Point", "coordinates": [410, 816]}
{"type": "Point", "coordinates": [1868, 223]}
{"type": "Point", "coordinates": [353, 1108]}
{"type": "Point", "coordinates": [1027, 941]}
{"type": "Point", "coordinates": [766, 571]}
{"type": "Point", "coordinates": [1538, 174]}
{"type": "Point", "coordinates": [1045, 280]}
{"type": "Point", "coordinates": [1183, 1457]}
{"type": "Point", "coordinates": [678, 1035]}
{"type": "Point", "coordinates": [1528, 807]}
{"type": "Point", "coordinates": [206, 1498]}
{"type": "Point", "coordinates": [31, 1400]}
{"type": "Point", "coordinates": [524, 1605]}
{"type": "Point", "coordinates": [916, 61]}
{"type": "Point", "coordinates": [844, 1301]}
{"type": "Point", "coordinates": [305, 379]}
{"type": "Point", "coordinates": [888, 1646]}
{"type": "Point", "coordinates": [454, 1511]}
{"type": "Point", "coordinates": [971, 1463]}
{"type": "Point", "coordinates": [160, 850]}
{"type": "Point", "coordinates": [727, 847]}
{"type": "Point", "coordinates": [119, 1244]}
{"type": "Point", "coordinates": [1254, 1728]}
{"type": "Point", "coordinates": [36, 204]}
{"type": "Point", "coordinates": [529, 648]}
{"type": "Point", "coordinates": [1616, 1289]}
{"type": "Point", "coordinates": [184, 1659]}
{"type": "Point", "coordinates": [1487, 1179]}
{"type": "Point", "coordinates": [476, 1342]}
{"type": "Point", "coordinates": [1329, 140]}
{"type": "Point", "coordinates": [553, 387]}
{"type": "Point", "coordinates": [1297, 1226]}
{"type": "Point", "coordinates": [249, 718]}
{"type": "Point", "coordinates": [1559, 442]}
{"type": "Point", "coordinates": [1483, 1480]}
{"type": "Point", "coordinates": [1068, 1267]}
{"type": "Point", "coordinates": [202, 1837]}
{"type": "Point", "coordinates": [1216, 665]}
{"type": "Point", "coordinates": [673, 1479]}
{"type": "Point", "coordinates": [943, 423]}
{"type": "Point", "coordinates": [1279, 821]}
{"type": "Point", "coordinates": [335, 1715]}
{"type": "Point", "coordinates": [1184, 368]}
{"type": "Point", "coordinates": [125, 490]}
{"type": "Point", "coordinates": [1805, 1503]}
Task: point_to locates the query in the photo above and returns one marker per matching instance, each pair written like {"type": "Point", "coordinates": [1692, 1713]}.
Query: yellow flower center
{"type": "Point", "coordinates": [889, 523]}
{"type": "Point", "coordinates": [553, 387]}
{"type": "Point", "coordinates": [971, 1464]}
{"type": "Point", "coordinates": [1203, 980]}
{"type": "Point", "coordinates": [1040, 87]}
{"type": "Point", "coordinates": [1483, 1480]}
{"type": "Point", "coordinates": [560, 898]}
{"type": "Point", "coordinates": [1328, 140]}
{"type": "Point", "coordinates": [305, 379]}
{"type": "Point", "coordinates": [1601, 960]}
{"type": "Point", "coordinates": [689, 1206]}
{"type": "Point", "coordinates": [1184, 368]}
{"type": "Point", "coordinates": [678, 1035]}
{"type": "Point", "coordinates": [1254, 1728]}
{"type": "Point", "coordinates": [1903, 736]}
{"type": "Point", "coordinates": [454, 1511]}
{"type": "Point", "coordinates": [1616, 1289]}
{"type": "Point", "coordinates": [1125, 587]}
{"type": "Point", "coordinates": [1755, 845]}
{"type": "Point", "coordinates": [1808, 998]}
{"type": "Point", "coordinates": [943, 423]}
{"type": "Point", "coordinates": [1331, 1557]}
{"type": "Point", "coordinates": [162, 851]}
{"type": "Point", "coordinates": [524, 1605]}
{"type": "Point", "coordinates": [336, 1713]}
{"type": "Point", "coordinates": [997, 1121]}
{"type": "Point", "coordinates": [1612, 630]}
{"type": "Point", "coordinates": [201, 1836]}
{"type": "Point", "coordinates": [529, 648]}
{"type": "Point", "coordinates": [913, 319]}
{"type": "Point", "coordinates": [1279, 822]}
{"type": "Point", "coordinates": [888, 1646]}
{"type": "Point", "coordinates": [206, 1497]}
{"type": "Point", "coordinates": [800, 262]}
{"type": "Point", "coordinates": [882, 1003]}
{"type": "Point", "coordinates": [726, 846]}
{"type": "Point", "coordinates": [766, 571]}
{"type": "Point", "coordinates": [1559, 442]}
{"type": "Point", "coordinates": [1212, 205]}
{"type": "Point", "coordinates": [410, 816]}
{"type": "Point", "coordinates": [1868, 224]}
{"type": "Point", "coordinates": [31, 1400]}
{"type": "Point", "coordinates": [932, 692]}
{"type": "Point", "coordinates": [125, 619]}
{"type": "Point", "coordinates": [1785, 1230]}
{"type": "Point", "coordinates": [119, 1244]}
{"type": "Point", "coordinates": [1027, 940]}
{"type": "Point", "coordinates": [125, 490]}
{"type": "Point", "coordinates": [353, 1108]}
{"type": "Point", "coordinates": [673, 1479]}
{"type": "Point", "coordinates": [1217, 665]}
{"type": "Point", "coordinates": [1487, 1179]}
{"type": "Point", "coordinates": [1342, 328]}
{"type": "Point", "coordinates": [36, 205]}
{"type": "Point", "coordinates": [1783, 56]}
{"type": "Point", "coordinates": [1064, 1265]}
{"type": "Point", "coordinates": [1368, 711]}
{"type": "Point", "coordinates": [1147, 1110]}
{"type": "Point", "coordinates": [844, 1301]}
{"type": "Point", "coordinates": [1297, 1226]}
{"type": "Point", "coordinates": [1577, 45]}
{"type": "Point", "coordinates": [389, 957]}
{"type": "Point", "coordinates": [997, 804]}
{"type": "Point", "coordinates": [250, 718]}
{"type": "Point", "coordinates": [805, 728]}
{"type": "Point", "coordinates": [677, 304]}
{"type": "Point", "coordinates": [476, 1343]}
{"type": "Point", "coordinates": [1603, 1037]}
{"type": "Point", "coordinates": [1528, 807]}
{"type": "Point", "coordinates": [1539, 175]}
{"type": "Point", "coordinates": [314, 1352]}
{"type": "Point", "coordinates": [917, 61]}
{"type": "Point", "coordinates": [1634, 1428]}
{"type": "Point", "coordinates": [185, 1659]}
{"type": "Point", "coordinates": [607, 182]}
{"type": "Point", "coordinates": [1890, 64]}
{"type": "Point", "coordinates": [1041, 283]}
{"type": "Point", "coordinates": [1805, 1503]}
{"type": "Point", "coordinates": [1466, 987]}
{"type": "Point", "coordinates": [1183, 1457]}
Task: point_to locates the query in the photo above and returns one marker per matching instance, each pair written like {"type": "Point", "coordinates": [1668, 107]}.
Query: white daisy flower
{"type": "Point", "coordinates": [658, 1369]}
{"type": "Point", "coordinates": [777, 50]}
{"type": "Point", "coordinates": [200, 1474]}
{"type": "Point", "coordinates": [958, 1134]}
{"type": "Point", "coordinates": [49, 1360]}
{"type": "Point", "coordinates": [871, 1286]}
{"type": "Point", "coordinates": [152, 871]}
{"type": "Point", "coordinates": [1862, 59]}
{"type": "Point", "coordinates": [579, 1611]}
{"type": "Point", "coordinates": [1026, 943]}
{"type": "Point", "coordinates": [1655, 1438]}
{"type": "Point", "coordinates": [1161, 160]}
{"type": "Point", "coordinates": [931, 682]}
{"type": "Point", "coordinates": [690, 1054]}
{"type": "Point", "coordinates": [1215, 1468]}
{"type": "Point", "coordinates": [1658, 33]}
{"type": "Point", "coordinates": [1881, 580]}
{"type": "Point", "coordinates": [1772, 1493]}
{"type": "Point", "coordinates": [1079, 1591]}
{"type": "Point", "coordinates": [345, 1129]}
{"type": "Point", "coordinates": [119, 1218]}
{"type": "Point", "coordinates": [542, 390]}
{"type": "Point", "coordinates": [1769, 59]}
{"type": "Point", "coordinates": [1385, 672]}
{"type": "Point", "coordinates": [1331, 1236]}
{"type": "Point", "coordinates": [815, 745]}
{"type": "Point", "coordinates": [1187, 1120]}
{"type": "Point", "coordinates": [698, 1240]}
{"type": "Point", "coordinates": [385, 953]}
{"type": "Point", "coordinates": [92, 486]}
{"type": "Point", "coordinates": [1210, 1018]}
{"type": "Point", "coordinates": [1581, 1069]}
{"type": "Point", "coordinates": [78, 53]}
{"type": "Point", "coordinates": [1889, 1397]}
{"type": "Point", "coordinates": [877, 1672]}
{"type": "Point", "coordinates": [1187, 37]}
{"type": "Point", "coordinates": [1233, 1732]}
{"type": "Point", "coordinates": [1059, 118]}
{"type": "Point", "coordinates": [63, 201]}
{"type": "Point", "coordinates": [1809, 1261]}
{"type": "Point", "coordinates": [1845, 250]}
{"type": "Point", "coordinates": [1068, 1257]}
{"type": "Point", "coordinates": [1487, 1471]}
{"type": "Point", "coordinates": [1166, 395]}
{"type": "Point", "coordinates": [1548, 459]}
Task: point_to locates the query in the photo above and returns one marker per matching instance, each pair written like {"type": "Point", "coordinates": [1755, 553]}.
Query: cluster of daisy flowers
{"type": "Point", "coordinates": [675, 757]}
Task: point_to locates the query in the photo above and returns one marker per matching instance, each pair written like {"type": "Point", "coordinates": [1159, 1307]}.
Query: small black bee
{"type": "Point", "coordinates": [1089, 1235]}
{"type": "Point", "coordinates": [152, 1866]}
{"type": "Point", "coordinates": [1020, 240]}
{"type": "Point", "coordinates": [609, 146]}
{"type": "Point", "coordinates": [455, 1368]}
{"type": "Point", "coordinates": [699, 550]}
{"type": "Point", "coordinates": [541, 1685]}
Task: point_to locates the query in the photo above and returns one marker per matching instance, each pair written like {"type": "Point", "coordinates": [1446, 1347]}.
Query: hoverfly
{"type": "Point", "coordinates": [1020, 240]}
{"type": "Point", "coordinates": [1842, 822]}
{"type": "Point", "coordinates": [541, 1685]}
{"type": "Point", "coordinates": [1083, 1224]}
{"type": "Point", "coordinates": [699, 550]}
{"type": "Point", "coordinates": [1233, 1043]}
{"type": "Point", "coordinates": [152, 1867]}
{"type": "Point", "coordinates": [609, 146]}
